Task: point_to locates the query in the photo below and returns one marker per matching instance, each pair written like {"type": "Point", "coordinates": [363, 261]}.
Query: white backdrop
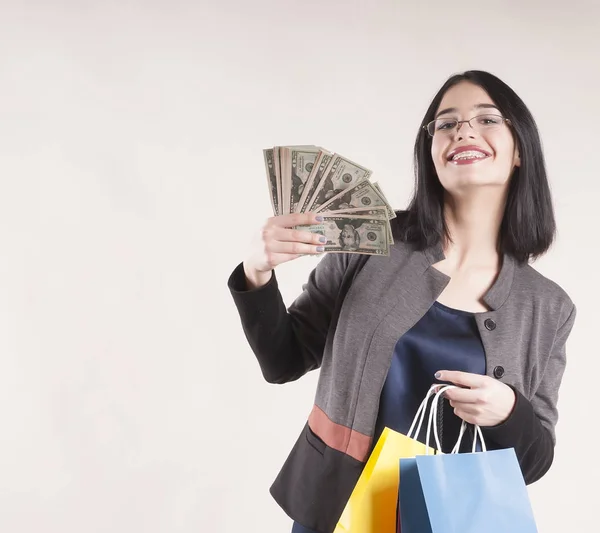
{"type": "Point", "coordinates": [131, 181]}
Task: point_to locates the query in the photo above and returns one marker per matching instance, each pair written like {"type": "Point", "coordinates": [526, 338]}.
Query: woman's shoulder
{"type": "Point", "coordinates": [542, 289]}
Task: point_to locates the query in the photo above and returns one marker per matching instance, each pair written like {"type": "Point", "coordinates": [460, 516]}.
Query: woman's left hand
{"type": "Point", "coordinates": [485, 402]}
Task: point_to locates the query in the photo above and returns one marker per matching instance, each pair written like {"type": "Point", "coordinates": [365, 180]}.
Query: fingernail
{"type": "Point", "coordinates": [323, 239]}
{"type": "Point", "coordinates": [320, 248]}
{"type": "Point", "coordinates": [438, 375]}
{"type": "Point", "coordinates": [320, 218]}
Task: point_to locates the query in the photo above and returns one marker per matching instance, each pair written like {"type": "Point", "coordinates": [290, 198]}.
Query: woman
{"type": "Point", "coordinates": [456, 302]}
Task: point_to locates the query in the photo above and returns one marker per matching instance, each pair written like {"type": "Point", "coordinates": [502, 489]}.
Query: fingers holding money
{"type": "Point", "coordinates": [282, 238]}
{"type": "Point", "coordinates": [294, 241]}
{"type": "Point", "coordinates": [293, 220]}
{"type": "Point", "coordinates": [280, 241]}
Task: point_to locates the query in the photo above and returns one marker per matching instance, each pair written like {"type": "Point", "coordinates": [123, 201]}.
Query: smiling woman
{"type": "Point", "coordinates": [477, 112]}
{"type": "Point", "coordinates": [456, 302]}
{"type": "Point", "coordinates": [471, 141]}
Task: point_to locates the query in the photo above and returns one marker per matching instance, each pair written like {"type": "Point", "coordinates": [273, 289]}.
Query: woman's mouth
{"type": "Point", "coordinates": [466, 158]}
{"type": "Point", "coordinates": [467, 155]}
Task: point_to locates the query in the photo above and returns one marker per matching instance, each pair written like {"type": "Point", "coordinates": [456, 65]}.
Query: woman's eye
{"type": "Point", "coordinates": [446, 124]}
{"type": "Point", "coordinates": [489, 120]}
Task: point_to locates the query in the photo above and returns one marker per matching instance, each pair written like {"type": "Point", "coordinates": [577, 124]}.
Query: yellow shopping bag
{"type": "Point", "coordinates": [372, 506]}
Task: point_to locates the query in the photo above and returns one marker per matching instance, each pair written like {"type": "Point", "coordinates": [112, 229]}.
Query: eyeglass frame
{"type": "Point", "coordinates": [459, 122]}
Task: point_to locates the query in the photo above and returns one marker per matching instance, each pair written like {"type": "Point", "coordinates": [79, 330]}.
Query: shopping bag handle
{"type": "Point", "coordinates": [478, 433]}
{"type": "Point", "coordinates": [432, 423]}
{"type": "Point", "coordinates": [420, 415]}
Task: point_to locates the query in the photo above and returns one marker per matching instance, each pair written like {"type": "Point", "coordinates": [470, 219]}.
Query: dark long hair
{"type": "Point", "coordinates": [528, 226]}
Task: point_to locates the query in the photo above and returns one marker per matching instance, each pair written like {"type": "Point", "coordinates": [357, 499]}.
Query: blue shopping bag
{"type": "Point", "coordinates": [466, 493]}
{"type": "Point", "coordinates": [411, 500]}
{"type": "Point", "coordinates": [463, 493]}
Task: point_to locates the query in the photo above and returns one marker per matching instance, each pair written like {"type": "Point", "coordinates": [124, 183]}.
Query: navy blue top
{"type": "Point", "coordinates": [444, 339]}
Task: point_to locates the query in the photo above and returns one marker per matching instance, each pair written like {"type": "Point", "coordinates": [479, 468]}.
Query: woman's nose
{"type": "Point", "coordinates": [467, 131]}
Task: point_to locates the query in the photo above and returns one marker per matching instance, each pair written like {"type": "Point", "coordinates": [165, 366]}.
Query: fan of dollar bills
{"type": "Point", "coordinates": [356, 213]}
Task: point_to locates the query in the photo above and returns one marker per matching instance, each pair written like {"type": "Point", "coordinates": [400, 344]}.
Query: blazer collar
{"type": "Point", "coordinates": [498, 293]}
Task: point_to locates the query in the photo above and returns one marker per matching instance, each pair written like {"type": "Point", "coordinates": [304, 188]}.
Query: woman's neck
{"type": "Point", "coordinates": [474, 225]}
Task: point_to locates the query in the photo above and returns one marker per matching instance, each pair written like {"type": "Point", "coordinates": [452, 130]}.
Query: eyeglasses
{"type": "Point", "coordinates": [481, 123]}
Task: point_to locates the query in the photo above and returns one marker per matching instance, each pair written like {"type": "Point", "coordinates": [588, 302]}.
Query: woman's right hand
{"type": "Point", "coordinates": [278, 243]}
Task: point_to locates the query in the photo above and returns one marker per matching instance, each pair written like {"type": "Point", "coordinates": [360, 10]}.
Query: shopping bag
{"type": "Point", "coordinates": [476, 492]}
{"type": "Point", "coordinates": [464, 493]}
{"type": "Point", "coordinates": [412, 509]}
{"type": "Point", "coordinates": [410, 494]}
{"type": "Point", "coordinates": [372, 507]}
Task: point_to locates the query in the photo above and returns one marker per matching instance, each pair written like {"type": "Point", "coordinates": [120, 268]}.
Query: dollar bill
{"type": "Point", "coordinates": [352, 234]}
{"type": "Point", "coordinates": [361, 195]}
{"type": "Point", "coordinates": [340, 174]}
{"type": "Point", "coordinates": [376, 212]}
{"type": "Point", "coordinates": [314, 179]}
{"type": "Point", "coordinates": [286, 178]}
{"type": "Point", "coordinates": [277, 164]}
{"type": "Point", "coordinates": [392, 213]}
{"type": "Point", "coordinates": [302, 162]}
{"type": "Point", "coordinates": [272, 179]}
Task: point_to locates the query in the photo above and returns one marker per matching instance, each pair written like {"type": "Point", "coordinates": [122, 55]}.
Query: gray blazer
{"type": "Point", "coordinates": [347, 321]}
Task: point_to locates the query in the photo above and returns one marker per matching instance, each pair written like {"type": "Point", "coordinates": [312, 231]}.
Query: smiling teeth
{"type": "Point", "coordinates": [471, 154]}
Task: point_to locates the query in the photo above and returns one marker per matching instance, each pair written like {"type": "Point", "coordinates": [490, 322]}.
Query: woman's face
{"type": "Point", "coordinates": [492, 154]}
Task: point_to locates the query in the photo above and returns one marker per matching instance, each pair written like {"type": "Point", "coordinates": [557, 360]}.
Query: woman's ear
{"type": "Point", "coordinates": [517, 159]}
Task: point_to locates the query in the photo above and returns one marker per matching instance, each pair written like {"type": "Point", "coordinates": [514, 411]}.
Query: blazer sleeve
{"type": "Point", "coordinates": [289, 342]}
{"type": "Point", "coordinates": [530, 427]}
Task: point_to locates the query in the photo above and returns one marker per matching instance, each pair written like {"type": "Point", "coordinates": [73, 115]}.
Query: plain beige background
{"type": "Point", "coordinates": [131, 182]}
